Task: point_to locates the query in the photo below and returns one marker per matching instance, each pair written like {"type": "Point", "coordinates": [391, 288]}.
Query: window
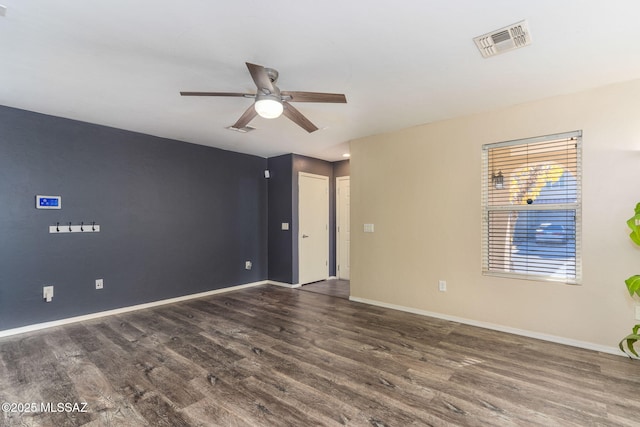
{"type": "Point", "coordinates": [531, 208]}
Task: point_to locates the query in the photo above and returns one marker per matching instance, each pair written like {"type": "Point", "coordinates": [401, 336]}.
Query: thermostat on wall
{"type": "Point", "coordinates": [48, 202]}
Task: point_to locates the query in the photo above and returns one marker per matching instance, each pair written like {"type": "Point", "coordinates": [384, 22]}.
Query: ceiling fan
{"type": "Point", "coordinates": [271, 102]}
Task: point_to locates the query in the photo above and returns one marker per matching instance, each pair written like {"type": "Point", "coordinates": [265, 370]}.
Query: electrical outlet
{"type": "Point", "coordinates": [247, 265]}
{"type": "Point", "coordinates": [442, 285]}
{"type": "Point", "coordinates": [99, 283]}
{"type": "Point", "coordinates": [47, 293]}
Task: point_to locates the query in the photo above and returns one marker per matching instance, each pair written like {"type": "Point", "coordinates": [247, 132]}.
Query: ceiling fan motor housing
{"type": "Point", "coordinates": [273, 74]}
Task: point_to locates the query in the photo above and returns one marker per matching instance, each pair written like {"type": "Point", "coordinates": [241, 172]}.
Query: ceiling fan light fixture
{"type": "Point", "coordinates": [269, 107]}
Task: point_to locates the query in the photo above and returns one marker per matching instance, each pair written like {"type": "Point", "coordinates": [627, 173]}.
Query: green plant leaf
{"type": "Point", "coordinates": [630, 340]}
{"type": "Point", "coordinates": [633, 225]}
{"type": "Point", "coordinates": [633, 285]}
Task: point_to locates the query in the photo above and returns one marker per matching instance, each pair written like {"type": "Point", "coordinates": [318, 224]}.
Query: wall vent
{"type": "Point", "coordinates": [505, 39]}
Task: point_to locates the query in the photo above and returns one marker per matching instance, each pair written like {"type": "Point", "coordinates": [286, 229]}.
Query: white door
{"type": "Point", "coordinates": [343, 231]}
{"type": "Point", "coordinates": [313, 232]}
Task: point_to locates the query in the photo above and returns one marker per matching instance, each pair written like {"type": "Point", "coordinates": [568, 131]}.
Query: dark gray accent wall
{"type": "Point", "coordinates": [341, 168]}
{"type": "Point", "coordinates": [281, 210]}
{"type": "Point", "coordinates": [176, 218]}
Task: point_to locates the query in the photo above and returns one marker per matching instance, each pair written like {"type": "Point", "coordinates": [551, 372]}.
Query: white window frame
{"type": "Point", "coordinates": [577, 207]}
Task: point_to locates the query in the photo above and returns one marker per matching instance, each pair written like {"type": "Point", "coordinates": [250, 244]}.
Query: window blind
{"type": "Point", "coordinates": [531, 196]}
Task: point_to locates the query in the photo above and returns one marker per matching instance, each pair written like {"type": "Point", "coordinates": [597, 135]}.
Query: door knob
{"type": "Point", "coordinates": [304, 236]}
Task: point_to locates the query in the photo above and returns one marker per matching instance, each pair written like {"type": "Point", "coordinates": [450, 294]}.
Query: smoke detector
{"type": "Point", "coordinates": [503, 40]}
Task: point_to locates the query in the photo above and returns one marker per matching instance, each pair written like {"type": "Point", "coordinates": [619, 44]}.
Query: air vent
{"type": "Point", "coordinates": [505, 39]}
{"type": "Point", "coordinates": [241, 130]}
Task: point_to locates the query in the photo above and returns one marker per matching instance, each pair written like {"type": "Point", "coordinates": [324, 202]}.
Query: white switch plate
{"type": "Point", "coordinates": [368, 228]}
{"type": "Point", "coordinates": [285, 225]}
{"type": "Point", "coordinates": [99, 283]}
{"type": "Point", "coordinates": [47, 293]}
{"type": "Point", "coordinates": [637, 312]}
{"type": "Point", "coordinates": [442, 285]}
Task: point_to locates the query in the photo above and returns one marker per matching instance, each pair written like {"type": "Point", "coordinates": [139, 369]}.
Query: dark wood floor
{"type": "Point", "coordinates": [334, 287]}
{"type": "Point", "coordinates": [271, 356]}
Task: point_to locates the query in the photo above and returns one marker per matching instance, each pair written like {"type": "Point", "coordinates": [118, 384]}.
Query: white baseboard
{"type": "Point", "coordinates": [284, 285]}
{"type": "Point", "coordinates": [495, 327]}
{"type": "Point", "coordinates": [45, 325]}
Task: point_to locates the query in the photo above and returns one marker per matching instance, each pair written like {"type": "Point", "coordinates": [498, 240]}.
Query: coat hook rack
{"type": "Point", "coordinates": [70, 228]}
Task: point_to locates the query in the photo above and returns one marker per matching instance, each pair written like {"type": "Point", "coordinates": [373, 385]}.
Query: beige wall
{"type": "Point", "coordinates": [421, 188]}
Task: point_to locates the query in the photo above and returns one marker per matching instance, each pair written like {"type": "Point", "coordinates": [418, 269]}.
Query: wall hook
{"type": "Point", "coordinates": [80, 227]}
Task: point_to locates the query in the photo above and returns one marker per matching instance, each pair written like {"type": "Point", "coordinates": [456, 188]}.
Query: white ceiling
{"type": "Point", "coordinates": [401, 63]}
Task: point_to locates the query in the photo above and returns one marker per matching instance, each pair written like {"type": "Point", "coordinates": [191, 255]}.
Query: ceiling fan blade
{"type": "Point", "coordinates": [260, 77]}
{"type": "Point", "coordinates": [246, 117]}
{"type": "Point", "coordinates": [297, 117]}
{"type": "Point", "coordinates": [315, 97]}
{"type": "Point", "coordinates": [244, 95]}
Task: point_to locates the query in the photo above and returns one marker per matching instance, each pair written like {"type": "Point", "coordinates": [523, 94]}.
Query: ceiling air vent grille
{"type": "Point", "coordinates": [505, 39]}
{"type": "Point", "coordinates": [245, 129]}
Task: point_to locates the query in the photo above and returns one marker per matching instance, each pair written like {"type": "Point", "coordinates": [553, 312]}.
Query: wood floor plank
{"type": "Point", "coordinates": [333, 287]}
{"type": "Point", "coordinates": [261, 409]}
{"type": "Point", "coordinates": [271, 356]}
{"type": "Point", "coordinates": [149, 350]}
{"type": "Point", "coordinates": [324, 406]}
{"type": "Point", "coordinates": [208, 412]}
{"type": "Point", "coordinates": [107, 405]}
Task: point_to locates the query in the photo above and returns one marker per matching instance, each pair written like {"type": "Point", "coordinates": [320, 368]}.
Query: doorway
{"type": "Point", "coordinates": [313, 231]}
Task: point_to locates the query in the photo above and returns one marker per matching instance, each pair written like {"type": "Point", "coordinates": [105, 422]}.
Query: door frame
{"type": "Point", "coordinates": [338, 232]}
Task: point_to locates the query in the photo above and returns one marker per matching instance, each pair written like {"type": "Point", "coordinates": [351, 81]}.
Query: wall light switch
{"type": "Point", "coordinates": [368, 228]}
{"type": "Point", "coordinates": [442, 285]}
{"type": "Point", "coordinates": [99, 283]}
{"type": "Point", "coordinates": [285, 225]}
